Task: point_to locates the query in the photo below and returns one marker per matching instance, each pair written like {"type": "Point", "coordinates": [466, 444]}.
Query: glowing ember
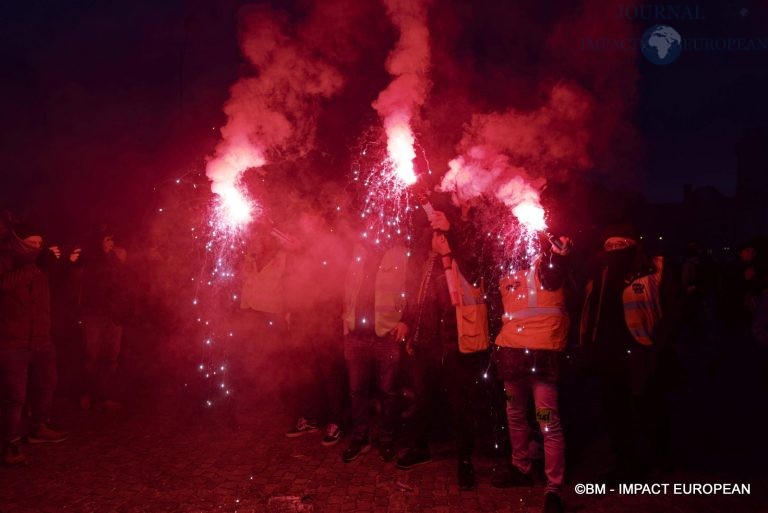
{"type": "Point", "coordinates": [385, 209]}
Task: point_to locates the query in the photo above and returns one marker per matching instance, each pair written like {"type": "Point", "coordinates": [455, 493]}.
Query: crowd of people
{"type": "Point", "coordinates": [417, 337]}
{"type": "Point", "coordinates": [33, 277]}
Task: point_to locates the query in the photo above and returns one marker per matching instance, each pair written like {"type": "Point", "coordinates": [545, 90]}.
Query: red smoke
{"type": "Point", "coordinates": [511, 154]}
{"type": "Point", "coordinates": [583, 122]}
{"type": "Point", "coordinates": [273, 109]}
{"type": "Point", "coordinates": [400, 101]}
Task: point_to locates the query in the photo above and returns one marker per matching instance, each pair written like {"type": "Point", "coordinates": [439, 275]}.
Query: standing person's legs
{"type": "Point", "coordinates": [359, 358]}
{"type": "Point", "coordinates": [111, 343]}
{"type": "Point", "coordinates": [387, 361]}
{"type": "Point", "coordinates": [425, 382]}
{"type": "Point", "coordinates": [548, 417]}
{"type": "Point", "coordinates": [42, 385]}
{"type": "Point", "coordinates": [14, 365]}
{"type": "Point", "coordinates": [619, 404]}
{"type": "Point", "coordinates": [92, 334]}
{"type": "Point", "coordinates": [518, 394]}
{"type": "Point", "coordinates": [335, 381]}
{"type": "Point", "coordinates": [42, 380]}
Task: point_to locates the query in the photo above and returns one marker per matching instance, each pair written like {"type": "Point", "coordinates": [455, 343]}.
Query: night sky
{"type": "Point", "coordinates": [102, 101]}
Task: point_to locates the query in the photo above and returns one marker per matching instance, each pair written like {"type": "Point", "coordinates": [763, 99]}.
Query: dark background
{"type": "Point", "coordinates": [103, 101]}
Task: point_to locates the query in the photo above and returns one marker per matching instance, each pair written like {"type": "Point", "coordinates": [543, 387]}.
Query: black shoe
{"type": "Point", "coordinates": [466, 475]}
{"type": "Point", "coordinates": [387, 451]}
{"type": "Point", "coordinates": [413, 458]}
{"type": "Point", "coordinates": [552, 503]}
{"type": "Point", "coordinates": [12, 455]}
{"type": "Point", "coordinates": [356, 448]}
{"type": "Point", "coordinates": [508, 476]}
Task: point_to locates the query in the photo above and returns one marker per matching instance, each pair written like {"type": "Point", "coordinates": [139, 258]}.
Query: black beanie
{"type": "Point", "coordinates": [24, 230]}
{"type": "Point", "coordinates": [624, 230]}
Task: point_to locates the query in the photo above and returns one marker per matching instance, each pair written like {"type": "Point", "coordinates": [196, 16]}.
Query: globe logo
{"type": "Point", "coordinates": [661, 45]}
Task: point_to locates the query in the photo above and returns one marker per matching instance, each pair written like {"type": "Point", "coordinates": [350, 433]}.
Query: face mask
{"type": "Point", "coordinates": [23, 252]}
{"type": "Point", "coordinates": [620, 259]}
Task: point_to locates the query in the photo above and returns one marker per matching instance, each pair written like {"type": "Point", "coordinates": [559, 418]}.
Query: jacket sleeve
{"type": "Point", "coordinates": [10, 279]}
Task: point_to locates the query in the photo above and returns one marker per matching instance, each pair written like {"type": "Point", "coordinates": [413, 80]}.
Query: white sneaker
{"type": "Point", "coordinates": [332, 435]}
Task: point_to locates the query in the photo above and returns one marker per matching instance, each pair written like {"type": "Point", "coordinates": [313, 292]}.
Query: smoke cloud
{"type": "Point", "coordinates": [409, 64]}
{"type": "Point", "coordinates": [274, 109]}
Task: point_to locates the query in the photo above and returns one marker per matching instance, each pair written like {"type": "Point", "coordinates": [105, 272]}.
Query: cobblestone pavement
{"type": "Point", "coordinates": [165, 460]}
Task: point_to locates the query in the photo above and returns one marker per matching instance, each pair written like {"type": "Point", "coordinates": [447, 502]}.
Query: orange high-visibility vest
{"type": "Point", "coordinates": [534, 318]}
{"type": "Point", "coordinates": [471, 311]}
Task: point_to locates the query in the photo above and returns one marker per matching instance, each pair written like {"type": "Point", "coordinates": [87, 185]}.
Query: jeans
{"type": "Point", "coordinates": [368, 355]}
{"type": "Point", "coordinates": [545, 399]}
{"type": "Point", "coordinates": [13, 389]}
{"type": "Point", "coordinates": [103, 338]}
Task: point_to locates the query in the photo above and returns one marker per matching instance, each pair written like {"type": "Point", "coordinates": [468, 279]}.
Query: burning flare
{"type": "Point", "coordinates": [235, 209]}
{"type": "Point", "coordinates": [408, 63]}
{"type": "Point", "coordinates": [400, 148]}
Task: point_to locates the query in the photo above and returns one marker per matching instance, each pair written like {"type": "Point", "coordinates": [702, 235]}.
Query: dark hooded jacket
{"type": "Point", "coordinates": [25, 300]}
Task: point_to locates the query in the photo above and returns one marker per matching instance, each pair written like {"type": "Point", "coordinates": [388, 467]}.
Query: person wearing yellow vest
{"type": "Point", "coordinates": [449, 349]}
{"type": "Point", "coordinates": [528, 353]}
{"type": "Point", "coordinates": [620, 330]}
{"type": "Point", "coordinates": [375, 296]}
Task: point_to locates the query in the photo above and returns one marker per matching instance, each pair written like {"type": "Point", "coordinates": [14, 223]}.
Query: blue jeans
{"type": "Point", "coordinates": [13, 390]}
{"type": "Point", "coordinates": [545, 399]}
{"type": "Point", "coordinates": [368, 355]}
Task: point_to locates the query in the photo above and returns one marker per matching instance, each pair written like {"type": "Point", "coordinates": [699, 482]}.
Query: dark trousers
{"type": "Point", "coordinates": [13, 390]}
{"type": "Point", "coordinates": [467, 382]}
{"type": "Point", "coordinates": [637, 418]}
{"type": "Point", "coordinates": [103, 341]}
{"type": "Point", "coordinates": [369, 356]}
{"type": "Point", "coordinates": [18, 368]}
{"type": "Point", "coordinates": [330, 373]}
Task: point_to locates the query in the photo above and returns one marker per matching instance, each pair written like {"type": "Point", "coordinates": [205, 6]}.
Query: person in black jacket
{"type": "Point", "coordinates": [627, 324]}
{"type": "Point", "coordinates": [450, 359]}
{"type": "Point", "coordinates": [105, 303]}
{"type": "Point", "coordinates": [26, 350]}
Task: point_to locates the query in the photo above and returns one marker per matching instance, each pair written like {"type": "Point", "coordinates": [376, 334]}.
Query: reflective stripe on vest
{"type": "Point", "coordinates": [538, 321]}
{"type": "Point", "coordinates": [533, 311]}
{"type": "Point", "coordinates": [642, 305]}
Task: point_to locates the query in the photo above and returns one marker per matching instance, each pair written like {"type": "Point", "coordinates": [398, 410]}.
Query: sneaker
{"type": "Point", "coordinates": [413, 458]}
{"type": "Point", "coordinates": [302, 427]}
{"type": "Point", "coordinates": [387, 451]}
{"type": "Point", "coordinates": [466, 475]}
{"type": "Point", "coordinates": [356, 448]}
{"type": "Point", "coordinates": [509, 476]}
{"type": "Point", "coordinates": [44, 434]}
{"type": "Point", "coordinates": [12, 455]}
{"type": "Point", "coordinates": [332, 435]}
{"type": "Point", "coordinates": [552, 503]}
